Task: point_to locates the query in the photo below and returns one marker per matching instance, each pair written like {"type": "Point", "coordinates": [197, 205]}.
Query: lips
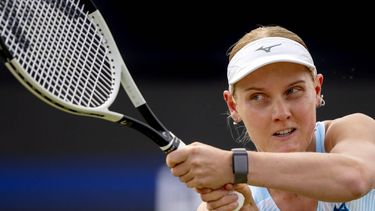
{"type": "Point", "coordinates": [284, 132]}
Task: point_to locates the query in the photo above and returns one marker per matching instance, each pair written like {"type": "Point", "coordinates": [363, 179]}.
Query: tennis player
{"type": "Point", "coordinates": [299, 163]}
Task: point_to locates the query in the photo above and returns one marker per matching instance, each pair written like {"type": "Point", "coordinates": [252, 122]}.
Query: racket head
{"type": "Point", "coordinates": [64, 53]}
{"type": "Point", "coordinates": [59, 51]}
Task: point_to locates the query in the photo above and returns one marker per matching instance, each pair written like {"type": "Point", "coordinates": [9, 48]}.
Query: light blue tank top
{"type": "Point", "coordinates": [265, 202]}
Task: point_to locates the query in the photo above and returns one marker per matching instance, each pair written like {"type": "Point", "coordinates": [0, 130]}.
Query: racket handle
{"type": "Point", "coordinates": [177, 143]}
{"type": "Point", "coordinates": [241, 200]}
{"type": "Point", "coordinates": [174, 143]}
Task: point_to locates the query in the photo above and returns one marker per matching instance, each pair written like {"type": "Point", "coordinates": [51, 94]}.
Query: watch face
{"type": "Point", "coordinates": [240, 165]}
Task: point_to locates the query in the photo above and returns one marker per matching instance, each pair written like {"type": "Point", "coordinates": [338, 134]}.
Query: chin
{"type": "Point", "coordinates": [288, 149]}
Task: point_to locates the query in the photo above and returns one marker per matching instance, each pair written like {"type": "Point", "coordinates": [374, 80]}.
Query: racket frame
{"type": "Point", "coordinates": [155, 130]}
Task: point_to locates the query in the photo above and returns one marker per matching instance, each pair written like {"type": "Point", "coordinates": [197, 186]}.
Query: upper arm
{"type": "Point", "coordinates": [354, 136]}
{"type": "Point", "coordinates": [355, 128]}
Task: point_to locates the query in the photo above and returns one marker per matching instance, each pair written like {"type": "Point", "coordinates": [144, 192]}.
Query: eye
{"type": "Point", "coordinates": [293, 90]}
{"type": "Point", "coordinates": [257, 97]}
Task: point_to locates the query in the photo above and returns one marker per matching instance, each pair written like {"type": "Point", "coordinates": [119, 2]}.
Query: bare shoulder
{"type": "Point", "coordinates": [349, 120]}
{"type": "Point", "coordinates": [356, 126]}
{"type": "Point", "coordinates": [358, 116]}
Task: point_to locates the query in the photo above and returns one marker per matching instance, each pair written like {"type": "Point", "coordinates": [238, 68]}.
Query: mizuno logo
{"type": "Point", "coordinates": [341, 208]}
{"type": "Point", "coordinates": [268, 48]}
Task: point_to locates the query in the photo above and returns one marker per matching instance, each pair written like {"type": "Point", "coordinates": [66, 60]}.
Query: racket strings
{"type": "Point", "coordinates": [60, 47]}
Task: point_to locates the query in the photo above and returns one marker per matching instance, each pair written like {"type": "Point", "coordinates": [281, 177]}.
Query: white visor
{"type": "Point", "coordinates": [266, 51]}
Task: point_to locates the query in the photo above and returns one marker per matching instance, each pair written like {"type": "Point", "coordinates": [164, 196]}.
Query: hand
{"type": "Point", "coordinates": [224, 198]}
{"type": "Point", "coordinates": [201, 166]}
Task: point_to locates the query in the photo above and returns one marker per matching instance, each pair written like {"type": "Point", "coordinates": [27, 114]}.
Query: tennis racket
{"type": "Point", "coordinates": [63, 52]}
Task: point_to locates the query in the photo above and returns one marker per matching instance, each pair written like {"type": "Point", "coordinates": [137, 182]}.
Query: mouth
{"type": "Point", "coordinates": [283, 133]}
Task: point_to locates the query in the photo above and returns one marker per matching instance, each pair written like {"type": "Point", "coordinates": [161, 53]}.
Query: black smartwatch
{"type": "Point", "coordinates": [240, 165]}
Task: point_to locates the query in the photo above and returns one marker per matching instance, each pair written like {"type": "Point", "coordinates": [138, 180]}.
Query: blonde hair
{"type": "Point", "coordinates": [262, 32]}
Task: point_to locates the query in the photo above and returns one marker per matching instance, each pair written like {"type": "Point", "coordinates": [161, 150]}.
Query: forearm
{"type": "Point", "coordinates": [329, 177]}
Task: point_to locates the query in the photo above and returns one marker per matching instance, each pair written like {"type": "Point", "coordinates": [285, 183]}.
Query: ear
{"type": "Point", "coordinates": [318, 88]}
{"type": "Point", "coordinates": [232, 106]}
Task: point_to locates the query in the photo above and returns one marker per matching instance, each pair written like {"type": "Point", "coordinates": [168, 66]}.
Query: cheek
{"type": "Point", "coordinates": [253, 118]}
{"type": "Point", "coordinates": [305, 114]}
{"type": "Point", "coordinates": [304, 108]}
{"type": "Point", "coordinates": [257, 124]}
{"type": "Point", "coordinates": [306, 105]}
{"type": "Point", "coordinates": [306, 118]}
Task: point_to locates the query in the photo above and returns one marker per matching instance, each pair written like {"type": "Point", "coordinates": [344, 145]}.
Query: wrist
{"type": "Point", "coordinates": [240, 165]}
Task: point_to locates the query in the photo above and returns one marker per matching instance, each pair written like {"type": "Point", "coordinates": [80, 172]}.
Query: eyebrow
{"type": "Point", "coordinates": [297, 82]}
{"type": "Point", "coordinates": [261, 89]}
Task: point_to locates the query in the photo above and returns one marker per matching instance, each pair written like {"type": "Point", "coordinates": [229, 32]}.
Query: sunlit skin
{"type": "Point", "coordinates": [277, 103]}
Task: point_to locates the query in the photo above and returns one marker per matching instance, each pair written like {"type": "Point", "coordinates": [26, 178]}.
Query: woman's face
{"type": "Point", "coordinates": [277, 103]}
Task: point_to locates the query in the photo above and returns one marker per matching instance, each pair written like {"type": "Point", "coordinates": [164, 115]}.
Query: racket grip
{"type": "Point", "coordinates": [174, 143]}
{"type": "Point", "coordinates": [177, 143]}
{"type": "Point", "coordinates": [240, 200]}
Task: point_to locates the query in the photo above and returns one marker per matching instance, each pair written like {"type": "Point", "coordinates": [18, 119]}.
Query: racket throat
{"type": "Point", "coordinates": [151, 118]}
{"type": "Point", "coordinates": [162, 138]}
{"type": "Point", "coordinates": [173, 141]}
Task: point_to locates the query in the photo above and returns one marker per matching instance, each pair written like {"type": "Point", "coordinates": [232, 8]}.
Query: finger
{"type": "Point", "coordinates": [180, 171]}
{"type": "Point", "coordinates": [203, 190]}
{"type": "Point", "coordinates": [231, 206]}
{"type": "Point", "coordinates": [176, 157]}
{"type": "Point", "coordinates": [190, 182]}
{"type": "Point", "coordinates": [214, 195]}
{"type": "Point", "coordinates": [227, 202]}
{"type": "Point", "coordinates": [229, 187]}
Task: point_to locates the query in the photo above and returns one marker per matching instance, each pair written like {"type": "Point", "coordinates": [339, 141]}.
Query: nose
{"type": "Point", "coordinates": [280, 110]}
